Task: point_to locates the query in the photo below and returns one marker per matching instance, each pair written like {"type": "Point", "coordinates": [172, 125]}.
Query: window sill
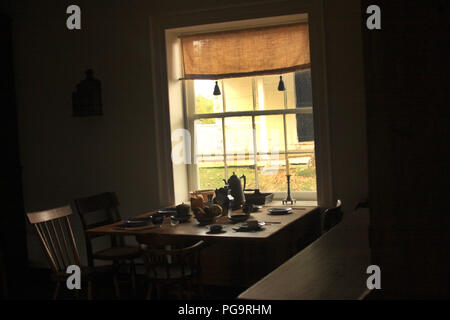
{"type": "Point", "coordinates": [305, 203]}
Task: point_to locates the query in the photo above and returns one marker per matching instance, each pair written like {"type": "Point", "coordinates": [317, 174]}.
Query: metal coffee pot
{"type": "Point", "coordinates": [234, 182]}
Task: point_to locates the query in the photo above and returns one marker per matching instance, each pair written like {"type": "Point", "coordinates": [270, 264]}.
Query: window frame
{"type": "Point", "coordinates": [164, 27]}
{"type": "Point", "coordinates": [192, 116]}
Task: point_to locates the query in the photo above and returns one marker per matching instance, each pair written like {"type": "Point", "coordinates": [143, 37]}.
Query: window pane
{"type": "Point", "coordinates": [269, 98]}
{"type": "Point", "coordinates": [302, 168]}
{"type": "Point", "coordinates": [291, 90]}
{"type": "Point", "coordinates": [238, 94]}
{"type": "Point", "coordinates": [300, 132]}
{"type": "Point", "coordinates": [269, 134]}
{"type": "Point", "coordinates": [211, 171]}
{"type": "Point", "coordinates": [205, 101]}
{"type": "Point", "coordinates": [208, 137]}
{"type": "Point", "coordinates": [267, 95]}
{"type": "Point", "coordinates": [302, 90]}
{"type": "Point", "coordinates": [272, 172]}
{"type": "Point", "coordinates": [239, 136]}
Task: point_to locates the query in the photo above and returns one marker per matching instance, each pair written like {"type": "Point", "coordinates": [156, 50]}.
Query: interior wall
{"type": "Point", "coordinates": [65, 157]}
{"type": "Point", "coordinates": [346, 100]}
{"type": "Point", "coordinates": [408, 130]}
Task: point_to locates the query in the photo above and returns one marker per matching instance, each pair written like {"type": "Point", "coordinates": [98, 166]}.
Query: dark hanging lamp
{"type": "Point", "coordinates": [281, 86]}
{"type": "Point", "coordinates": [216, 90]}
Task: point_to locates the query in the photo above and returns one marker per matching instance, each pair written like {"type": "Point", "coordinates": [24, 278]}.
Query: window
{"type": "Point", "coordinates": [253, 129]}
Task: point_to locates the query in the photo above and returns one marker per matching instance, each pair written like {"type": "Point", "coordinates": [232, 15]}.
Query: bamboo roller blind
{"type": "Point", "coordinates": [258, 51]}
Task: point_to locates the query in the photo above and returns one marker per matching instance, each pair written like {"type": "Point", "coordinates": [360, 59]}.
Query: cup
{"type": "Point", "coordinates": [247, 208]}
{"type": "Point", "coordinates": [253, 224]}
{"type": "Point", "coordinates": [215, 228]}
{"type": "Point", "coordinates": [157, 218]}
{"type": "Point", "coordinates": [183, 209]}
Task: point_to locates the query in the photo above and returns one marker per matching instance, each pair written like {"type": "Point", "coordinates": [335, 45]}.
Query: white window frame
{"type": "Point", "coordinates": [192, 116]}
{"type": "Point", "coordinates": [168, 27]}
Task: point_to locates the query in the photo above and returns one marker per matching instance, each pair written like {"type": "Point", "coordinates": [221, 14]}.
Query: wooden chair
{"type": "Point", "coordinates": [331, 217]}
{"type": "Point", "coordinates": [100, 210]}
{"type": "Point", "coordinates": [55, 233]}
{"type": "Point", "coordinates": [177, 266]}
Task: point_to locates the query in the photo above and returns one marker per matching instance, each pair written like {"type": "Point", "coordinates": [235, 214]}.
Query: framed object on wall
{"type": "Point", "coordinates": [87, 99]}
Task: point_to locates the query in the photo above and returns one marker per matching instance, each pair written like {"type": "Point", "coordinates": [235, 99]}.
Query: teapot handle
{"type": "Point", "coordinates": [245, 181]}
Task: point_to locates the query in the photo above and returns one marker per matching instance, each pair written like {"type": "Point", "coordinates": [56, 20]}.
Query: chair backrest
{"type": "Point", "coordinates": [95, 211]}
{"type": "Point", "coordinates": [331, 217]}
{"type": "Point", "coordinates": [187, 259]}
{"type": "Point", "coordinates": [55, 233]}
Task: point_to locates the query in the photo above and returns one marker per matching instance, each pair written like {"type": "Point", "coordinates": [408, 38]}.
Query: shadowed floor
{"type": "Point", "coordinates": [39, 287]}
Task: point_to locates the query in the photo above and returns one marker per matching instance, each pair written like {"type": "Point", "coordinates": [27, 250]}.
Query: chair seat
{"type": "Point", "coordinates": [175, 273]}
{"type": "Point", "coordinates": [115, 253]}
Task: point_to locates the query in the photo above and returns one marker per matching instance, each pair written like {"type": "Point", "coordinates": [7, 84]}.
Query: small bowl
{"type": "Point", "coordinates": [157, 218]}
{"type": "Point", "coordinates": [181, 218]}
{"type": "Point", "coordinates": [216, 228]}
{"type": "Point", "coordinates": [205, 221]}
{"type": "Point", "coordinates": [238, 217]}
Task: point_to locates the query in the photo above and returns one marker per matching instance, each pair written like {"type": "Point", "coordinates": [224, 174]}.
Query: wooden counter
{"type": "Point", "coordinates": [332, 267]}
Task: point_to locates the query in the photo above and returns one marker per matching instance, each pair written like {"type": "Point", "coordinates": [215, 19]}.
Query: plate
{"type": "Point", "coordinates": [167, 212]}
{"type": "Point", "coordinates": [243, 227]}
{"type": "Point", "coordinates": [183, 218]}
{"type": "Point", "coordinates": [136, 222]}
{"type": "Point", "coordinates": [256, 208]}
{"type": "Point", "coordinates": [238, 217]}
{"type": "Point", "coordinates": [279, 211]}
{"type": "Point", "coordinates": [216, 232]}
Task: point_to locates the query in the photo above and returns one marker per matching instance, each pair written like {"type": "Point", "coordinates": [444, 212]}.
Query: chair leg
{"type": "Point", "coordinates": [116, 286]}
{"type": "Point", "coordinates": [203, 293]}
{"type": "Point", "coordinates": [90, 290]}
{"type": "Point", "coordinates": [76, 294]}
{"type": "Point", "coordinates": [133, 276]}
{"type": "Point", "coordinates": [56, 291]}
{"type": "Point", "coordinates": [149, 291]}
{"type": "Point", "coordinates": [189, 289]}
{"type": "Point", "coordinates": [116, 280]}
{"type": "Point", "coordinates": [158, 291]}
{"type": "Point", "coordinates": [179, 292]}
{"type": "Point", "coordinates": [202, 289]}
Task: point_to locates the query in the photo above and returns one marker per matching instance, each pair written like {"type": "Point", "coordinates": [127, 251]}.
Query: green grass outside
{"type": "Point", "coordinates": [302, 178]}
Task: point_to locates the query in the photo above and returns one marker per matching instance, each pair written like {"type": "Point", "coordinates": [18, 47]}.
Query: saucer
{"type": "Point", "coordinates": [182, 218]}
{"type": "Point", "coordinates": [136, 222]}
{"type": "Point", "coordinates": [244, 227]}
{"type": "Point", "coordinates": [216, 232]}
{"type": "Point", "coordinates": [279, 211]}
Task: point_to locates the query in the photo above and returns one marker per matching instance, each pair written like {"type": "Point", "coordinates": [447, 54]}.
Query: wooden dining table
{"type": "Point", "coordinates": [233, 258]}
